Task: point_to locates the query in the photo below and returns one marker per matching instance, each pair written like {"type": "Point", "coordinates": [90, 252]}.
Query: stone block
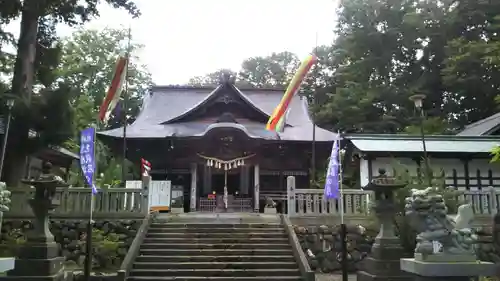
{"type": "Point", "coordinates": [6, 264]}
{"type": "Point", "coordinates": [269, 210]}
{"type": "Point", "coordinates": [444, 258]}
{"type": "Point", "coordinates": [177, 210]}
{"type": "Point", "coordinates": [35, 267]}
{"type": "Point", "coordinates": [448, 269]}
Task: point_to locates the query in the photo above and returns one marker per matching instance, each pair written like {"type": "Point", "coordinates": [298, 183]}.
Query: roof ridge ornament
{"type": "Point", "coordinates": [227, 78]}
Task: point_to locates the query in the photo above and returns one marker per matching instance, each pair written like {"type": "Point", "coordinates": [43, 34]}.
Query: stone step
{"type": "Point", "coordinates": [215, 272]}
{"type": "Point", "coordinates": [228, 240]}
{"type": "Point", "coordinates": [216, 252]}
{"type": "Point", "coordinates": [214, 230]}
{"type": "Point", "coordinates": [215, 278]}
{"type": "Point", "coordinates": [221, 258]}
{"type": "Point", "coordinates": [217, 235]}
{"type": "Point", "coordinates": [215, 225]}
{"type": "Point", "coordinates": [214, 265]}
{"type": "Point", "coordinates": [148, 245]}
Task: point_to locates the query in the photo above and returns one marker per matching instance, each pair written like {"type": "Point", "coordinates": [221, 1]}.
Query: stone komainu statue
{"type": "Point", "coordinates": [4, 198]}
{"type": "Point", "coordinates": [270, 202]}
{"type": "Point", "coordinates": [427, 213]}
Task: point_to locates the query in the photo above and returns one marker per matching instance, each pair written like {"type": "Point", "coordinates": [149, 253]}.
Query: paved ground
{"type": "Point", "coordinates": [333, 277]}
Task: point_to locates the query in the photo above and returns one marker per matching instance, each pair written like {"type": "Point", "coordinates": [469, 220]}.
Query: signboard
{"type": "Point", "coordinates": [160, 195]}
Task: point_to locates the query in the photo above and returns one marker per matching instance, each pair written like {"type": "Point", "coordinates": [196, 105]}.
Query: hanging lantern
{"type": "Point", "coordinates": [208, 163]}
{"type": "Point", "coordinates": [225, 167]}
{"type": "Point", "coordinates": [242, 162]}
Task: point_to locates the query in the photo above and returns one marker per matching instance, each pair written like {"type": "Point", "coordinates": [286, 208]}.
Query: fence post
{"type": "Point", "coordinates": [146, 183]}
{"type": "Point", "coordinates": [493, 200]}
{"type": "Point", "coordinates": [290, 188]}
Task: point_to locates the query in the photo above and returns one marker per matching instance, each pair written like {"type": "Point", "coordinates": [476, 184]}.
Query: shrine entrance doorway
{"type": "Point", "coordinates": [231, 180]}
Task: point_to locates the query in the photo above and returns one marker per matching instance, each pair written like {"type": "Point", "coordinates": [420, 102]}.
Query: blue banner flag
{"type": "Point", "coordinates": [118, 109]}
{"type": "Point", "coordinates": [87, 156]}
{"type": "Point", "coordinates": [332, 183]}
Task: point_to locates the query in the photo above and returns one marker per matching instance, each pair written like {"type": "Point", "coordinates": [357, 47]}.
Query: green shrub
{"type": "Point", "coordinates": [12, 242]}
{"type": "Point", "coordinates": [104, 250]}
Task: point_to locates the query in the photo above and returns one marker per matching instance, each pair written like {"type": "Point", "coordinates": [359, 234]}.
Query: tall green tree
{"type": "Point", "coordinates": [36, 58]}
{"type": "Point", "coordinates": [88, 61]}
{"type": "Point", "coordinates": [472, 69]}
{"type": "Point", "coordinates": [275, 70]}
{"type": "Point", "coordinates": [389, 50]}
{"type": "Point", "coordinates": [211, 79]}
{"type": "Point", "coordinates": [87, 64]}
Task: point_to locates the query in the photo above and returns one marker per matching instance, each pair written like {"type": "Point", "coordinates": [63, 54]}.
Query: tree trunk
{"type": "Point", "coordinates": [22, 86]}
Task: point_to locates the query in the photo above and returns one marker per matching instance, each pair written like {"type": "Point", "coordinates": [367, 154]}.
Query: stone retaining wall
{"type": "Point", "coordinates": [111, 240]}
{"type": "Point", "coordinates": [322, 246]}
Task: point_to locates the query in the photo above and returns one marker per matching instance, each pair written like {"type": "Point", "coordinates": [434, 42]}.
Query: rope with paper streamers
{"type": "Point", "coordinates": [225, 164]}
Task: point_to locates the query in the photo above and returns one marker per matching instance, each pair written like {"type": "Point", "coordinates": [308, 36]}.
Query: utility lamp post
{"type": "Point", "coordinates": [418, 101]}
{"type": "Point", "coordinates": [10, 105]}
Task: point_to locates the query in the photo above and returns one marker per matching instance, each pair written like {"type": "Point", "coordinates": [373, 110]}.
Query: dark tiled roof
{"type": "Point", "coordinates": [482, 127]}
{"type": "Point", "coordinates": [168, 103]}
{"type": "Point", "coordinates": [65, 152]}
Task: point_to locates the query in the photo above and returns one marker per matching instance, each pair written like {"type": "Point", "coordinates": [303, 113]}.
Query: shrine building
{"type": "Point", "coordinates": [202, 139]}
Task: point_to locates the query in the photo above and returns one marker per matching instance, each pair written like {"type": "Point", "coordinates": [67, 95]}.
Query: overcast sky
{"type": "Point", "coordinates": [186, 38]}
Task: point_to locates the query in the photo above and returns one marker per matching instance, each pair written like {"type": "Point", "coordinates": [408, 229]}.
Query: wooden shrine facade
{"type": "Point", "coordinates": [212, 142]}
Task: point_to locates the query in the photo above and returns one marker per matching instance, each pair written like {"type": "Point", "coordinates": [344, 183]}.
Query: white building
{"type": "Point", "coordinates": [464, 158]}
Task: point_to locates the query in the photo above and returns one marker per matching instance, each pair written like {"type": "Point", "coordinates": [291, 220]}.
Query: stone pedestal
{"type": "Point", "coordinates": [269, 210]}
{"type": "Point", "coordinates": [6, 264]}
{"type": "Point", "coordinates": [422, 270]}
{"type": "Point", "coordinates": [38, 258]}
{"type": "Point", "coordinates": [383, 263]}
{"type": "Point", "coordinates": [177, 211]}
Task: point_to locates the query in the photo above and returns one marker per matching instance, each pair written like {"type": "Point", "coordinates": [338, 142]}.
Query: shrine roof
{"type": "Point", "coordinates": [483, 127]}
{"type": "Point", "coordinates": [412, 143]}
{"type": "Point", "coordinates": [164, 108]}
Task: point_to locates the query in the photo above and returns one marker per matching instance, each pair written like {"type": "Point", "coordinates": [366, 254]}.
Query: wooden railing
{"type": "Point", "coordinates": [75, 203]}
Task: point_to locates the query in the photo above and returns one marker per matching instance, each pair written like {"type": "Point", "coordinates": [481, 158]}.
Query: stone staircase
{"type": "Point", "coordinates": [215, 252]}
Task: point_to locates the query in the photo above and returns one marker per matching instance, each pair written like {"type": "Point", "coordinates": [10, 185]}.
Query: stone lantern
{"type": "Point", "coordinates": [383, 263]}
{"type": "Point", "coordinates": [38, 258]}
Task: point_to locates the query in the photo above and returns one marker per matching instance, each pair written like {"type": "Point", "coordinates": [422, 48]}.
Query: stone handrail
{"type": "Point", "coordinates": [75, 203]}
{"type": "Point", "coordinates": [312, 202]}
{"type": "Point", "coordinates": [484, 202]}
{"type": "Point", "coordinates": [298, 253]}
{"type": "Point", "coordinates": [305, 202]}
{"type": "Point", "coordinates": [133, 251]}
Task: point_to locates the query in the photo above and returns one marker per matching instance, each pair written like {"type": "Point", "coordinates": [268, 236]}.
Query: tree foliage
{"type": "Point", "coordinates": [384, 52]}
{"type": "Point", "coordinates": [88, 60]}
{"type": "Point", "coordinates": [274, 71]}
{"type": "Point", "coordinates": [87, 63]}
{"type": "Point", "coordinates": [211, 79]}
{"type": "Point", "coordinates": [34, 80]}
{"type": "Point", "coordinates": [388, 50]}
